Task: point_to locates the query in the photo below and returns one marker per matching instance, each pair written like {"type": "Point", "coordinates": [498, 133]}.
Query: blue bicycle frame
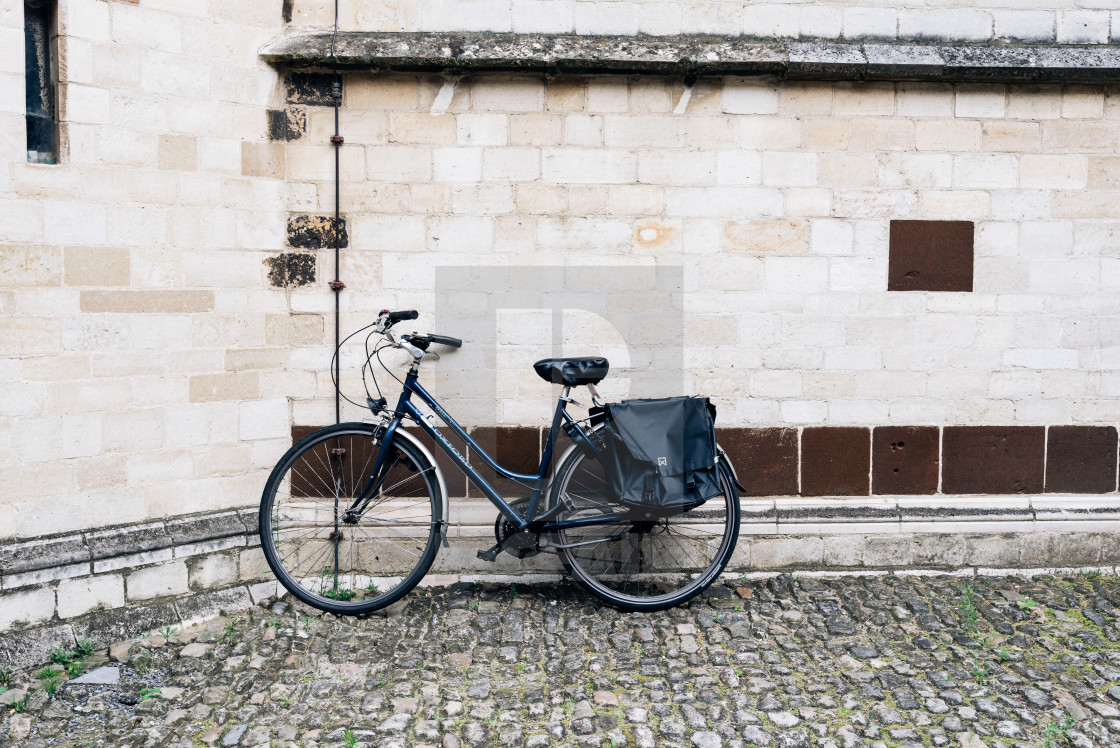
{"type": "Point", "coordinates": [530, 522]}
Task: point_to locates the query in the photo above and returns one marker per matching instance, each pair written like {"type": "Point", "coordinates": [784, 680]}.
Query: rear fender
{"type": "Point", "coordinates": [722, 457]}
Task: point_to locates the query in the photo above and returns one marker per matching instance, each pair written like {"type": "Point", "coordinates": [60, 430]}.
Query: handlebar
{"type": "Point", "coordinates": [414, 343]}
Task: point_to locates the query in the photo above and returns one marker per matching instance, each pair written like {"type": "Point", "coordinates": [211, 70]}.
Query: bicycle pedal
{"type": "Point", "coordinates": [491, 554]}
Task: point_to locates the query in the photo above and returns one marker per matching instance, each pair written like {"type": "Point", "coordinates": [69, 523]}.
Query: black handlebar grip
{"type": "Point", "coordinates": [395, 317]}
{"type": "Point", "coordinates": [445, 340]}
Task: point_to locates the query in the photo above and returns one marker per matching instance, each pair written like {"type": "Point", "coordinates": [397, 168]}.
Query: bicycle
{"type": "Point", "coordinates": [352, 515]}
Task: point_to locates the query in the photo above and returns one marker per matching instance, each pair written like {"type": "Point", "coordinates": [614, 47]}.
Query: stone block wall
{"type": "Point", "coordinates": [778, 199]}
{"type": "Point", "coordinates": [165, 320]}
{"type": "Point", "coordinates": [1069, 21]}
{"type": "Point", "coordinates": [142, 348]}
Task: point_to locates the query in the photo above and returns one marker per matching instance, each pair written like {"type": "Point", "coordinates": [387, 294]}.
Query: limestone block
{"type": "Point", "coordinates": [724, 202]}
{"type": "Point", "coordinates": [1059, 172]}
{"type": "Point", "coordinates": [252, 565]}
{"type": "Point", "coordinates": [84, 594]}
{"type": "Point", "coordinates": [393, 163]}
{"type": "Point", "coordinates": [85, 266]}
{"type": "Point", "coordinates": [769, 22]}
{"type": "Point", "coordinates": [732, 167]}
{"type": "Point", "coordinates": [507, 94]}
{"type": "Point", "coordinates": [779, 237]}
{"type": "Point", "coordinates": [81, 435]}
{"type": "Point", "coordinates": [870, 23]}
{"type": "Point", "coordinates": [381, 92]}
{"type": "Point", "coordinates": [820, 22]}
{"type": "Point", "coordinates": [650, 131]}
{"type": "Point", "coordinates": [589, 167]}
{"type": "Point", "coordinates": [543, 16]}
{"type": "Point", "coordinates": [1025, 25]}
{"type": "Point", "coordinates": [1034, 102]}
{"type": "Point", "coordinates": [607, 18]}
{"type": "Point", "coordinates": [240, 385]}
{"type": "Point", "coordinates": [147, 302]}
{"type": "Point", "coordinates": [955, 204]}
{"type": "Point", "coordinates": [678, 168]}
{"type": "Point", "coordinates": [789, 169]}
{"type": "Point", "coordinates": [263, 419]}
{"type": "Point", "coordinates": [981, 101]}
{"type": "Point", "coordinates": [74, 222]}
{"type": "Point", "coordinates": [1082, 102]}
{"type": "Point", "coordinates": [749, 96]}
{"type": "Point", "coordinates": [210, 571]}
{"type": "Point", "coordinates": [26, 608]}
{"type": "Point", "coordinates": [986, 172]}
{"type": "Point", "coordinates": [660, 19]}
{"type": "Point", "coordinates": [262, 160]}
{"type": "Point", "coordinates": [956, 24]}
{"type": "Point", "coordinates": [456, 164]}
{"type": "Point", "coordinates": [847, 169]}
{"type": "Point", "coordinates": [1081, 136]}
{"type": "Point", "coordinates": [157, 581]}
{"type": "Point", "coordinates": [137, 26]}
{"type": "Point", "coordinates": [772, 553]}
{"type": "Point", "coordinates": [796, 274]}
{"type": "Point", "coordinates": [481, 129]}
{"type": "Point", "coordinates": [1083, 26]}
{"type": "Point", "coordinates": [511, 164]}
{"type": "Point", "coordinates": [1012, 137]}
{"type": "Point", "coordinates": [535, 129]}
{"type": "Point", "coordinates": [608, 94]}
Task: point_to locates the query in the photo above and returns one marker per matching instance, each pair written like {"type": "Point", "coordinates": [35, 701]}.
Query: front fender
{"type": "Point", "coordinates": [414, 441]}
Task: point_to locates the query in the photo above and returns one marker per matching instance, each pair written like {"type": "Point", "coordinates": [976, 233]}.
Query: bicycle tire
{"type": "Point", "coordinates": [671, 549]}
{"type": "Point", "coordinates": [343, 568]}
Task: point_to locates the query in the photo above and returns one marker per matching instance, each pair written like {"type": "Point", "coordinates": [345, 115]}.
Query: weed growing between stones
{"type": "Point", "coordinates": [1055, 732]}
{"type": "Point", "coordinates": [970, 616]}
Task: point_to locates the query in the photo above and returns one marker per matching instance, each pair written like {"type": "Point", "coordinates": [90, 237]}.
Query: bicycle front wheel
{"type": "Point", "coordinates": [646, 564]}
{"type": "Point", "coordinates": [368, 562]}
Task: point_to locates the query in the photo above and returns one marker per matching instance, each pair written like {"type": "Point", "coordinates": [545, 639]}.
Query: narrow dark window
{"type": "Point", "coordinates": [42, 124]}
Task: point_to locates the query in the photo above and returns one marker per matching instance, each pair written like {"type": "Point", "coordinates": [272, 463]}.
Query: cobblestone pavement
{"type": "Point", "coordinates": [794, 662]}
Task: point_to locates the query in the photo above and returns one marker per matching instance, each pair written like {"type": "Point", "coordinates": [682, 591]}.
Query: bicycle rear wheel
{"type": "Point", "coordinates": [358, 566]}
{"type": "Point", "coordinates": [641, 564]}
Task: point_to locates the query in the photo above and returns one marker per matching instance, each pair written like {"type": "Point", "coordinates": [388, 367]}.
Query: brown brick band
{"type": "Point", "coordinates": [858, 461]}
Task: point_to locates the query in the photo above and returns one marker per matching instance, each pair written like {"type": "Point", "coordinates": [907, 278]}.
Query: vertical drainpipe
{"type": "Point", "coordinates": [337, 285]}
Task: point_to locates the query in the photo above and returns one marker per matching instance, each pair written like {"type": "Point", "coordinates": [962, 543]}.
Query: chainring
{"type": "Point", "coordinates": [514, 542]}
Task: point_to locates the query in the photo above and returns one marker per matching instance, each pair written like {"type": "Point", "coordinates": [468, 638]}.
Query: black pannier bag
{"type": "Point", "coordinates": [661, 454]}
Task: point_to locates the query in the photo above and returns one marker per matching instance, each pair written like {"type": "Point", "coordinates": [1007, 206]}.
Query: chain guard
{"type": "Point", "coordinates": [517, 544]}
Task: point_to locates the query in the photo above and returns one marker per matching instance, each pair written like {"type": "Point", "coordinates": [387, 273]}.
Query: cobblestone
{"type": "Point", "coordinates": [986, 662]}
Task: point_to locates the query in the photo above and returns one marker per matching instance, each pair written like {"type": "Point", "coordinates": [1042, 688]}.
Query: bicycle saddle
{"type": "Point", "coordinates": [572, 371]}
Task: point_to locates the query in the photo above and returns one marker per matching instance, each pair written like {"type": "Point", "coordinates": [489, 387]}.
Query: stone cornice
{"type": "Point", "coordinates": [695, 55]}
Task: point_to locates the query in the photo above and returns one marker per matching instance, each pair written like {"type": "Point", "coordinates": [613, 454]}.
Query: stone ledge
{"type": "Point", "coordinates": [695, 55]}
